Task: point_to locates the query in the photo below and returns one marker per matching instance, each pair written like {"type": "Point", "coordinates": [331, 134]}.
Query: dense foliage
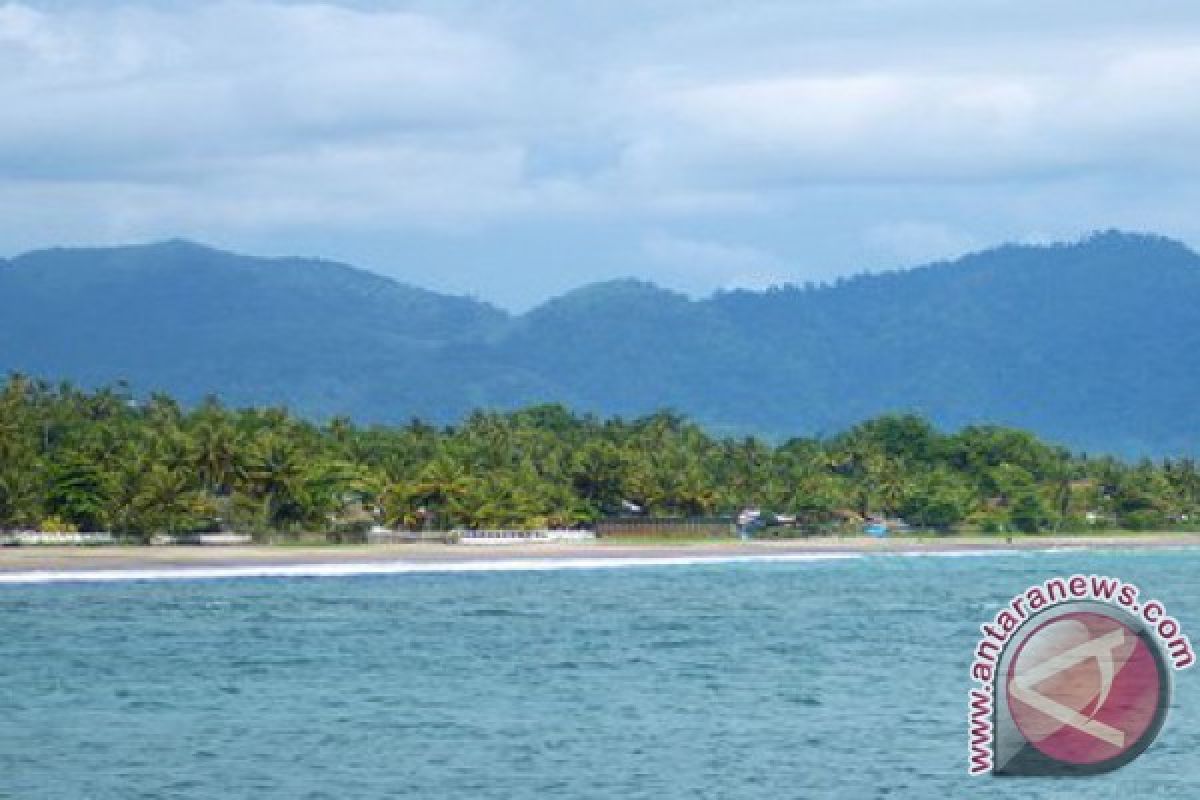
{"type": "Point", "coordinates": [99, 460]}
{"type": "Point", "coordinates": [1067, 341]}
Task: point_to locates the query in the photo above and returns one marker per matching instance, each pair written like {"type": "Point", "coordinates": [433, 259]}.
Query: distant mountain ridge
{"type": "Point", "coordinates": [1093, 343]}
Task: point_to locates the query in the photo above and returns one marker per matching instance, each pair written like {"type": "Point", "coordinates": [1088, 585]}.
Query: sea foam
{"type": "Point", "coordinates": [337, 570]}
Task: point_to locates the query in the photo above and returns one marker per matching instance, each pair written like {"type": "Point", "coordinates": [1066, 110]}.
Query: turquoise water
{"type": "Point", "coordinates": [822, 679]}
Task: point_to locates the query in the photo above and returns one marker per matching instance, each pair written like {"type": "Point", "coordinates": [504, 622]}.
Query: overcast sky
{"type": "Point", "coordinates": [514, 150]}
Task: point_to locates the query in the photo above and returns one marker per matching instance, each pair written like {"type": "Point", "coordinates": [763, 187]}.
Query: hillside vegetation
{"type": "Point", "coordinates": [1092, 344]}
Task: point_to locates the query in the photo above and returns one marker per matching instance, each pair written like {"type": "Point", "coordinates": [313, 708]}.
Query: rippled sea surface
{"type": "Point", "coordinates": [822, 679]}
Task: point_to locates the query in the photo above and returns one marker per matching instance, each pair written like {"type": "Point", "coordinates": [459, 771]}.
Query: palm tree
{"type": "Point", "coordinates": [20, 494]}
{"type": "Point", "coordinates": [273, 473]}
{"type": "Point", "coordinates": [895, 485]}
{"type": "Point", "coordinates": [78, 492]}
{"type": "Point", "coordinates": [168, 501]}
{"type": "Point", "coordinates": [441, 483]}
{"type": "Point", "coordinates": [597, 474]}
{"type": "Point", "coordinates": [217, 449]}
{"type": "Point", "coordinates": [1060, 489]}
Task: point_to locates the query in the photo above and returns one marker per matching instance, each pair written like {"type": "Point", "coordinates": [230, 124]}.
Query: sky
{"type": "Point", "coordinates": [516, 150]}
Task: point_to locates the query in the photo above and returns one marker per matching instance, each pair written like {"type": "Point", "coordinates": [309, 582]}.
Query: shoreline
{"type": "Point", "coordinates": [30, 561]}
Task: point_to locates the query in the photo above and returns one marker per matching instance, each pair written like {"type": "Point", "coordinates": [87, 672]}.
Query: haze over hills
{"type": "Point", "coordinates": [1093, 344]}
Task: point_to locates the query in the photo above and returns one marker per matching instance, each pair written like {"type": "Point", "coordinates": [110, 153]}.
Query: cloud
{"type": "Point", "coordinates": [146, 95]}
{"type": "Point", "coordinates": [773, 141]}
{"type": "Point", "coordinates": [952, 122]}
{"type": "Point", "coordinates": [699, 265]}
{"type": "Point", "coordinates": [864, 126]}
{"type": "Point", "coordinates": [914, 242]}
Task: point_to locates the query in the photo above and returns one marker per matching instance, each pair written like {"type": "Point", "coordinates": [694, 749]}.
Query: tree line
{"type": "Point", "coordinates": [101, 460]}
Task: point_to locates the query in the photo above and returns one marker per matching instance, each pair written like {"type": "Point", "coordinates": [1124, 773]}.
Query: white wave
{"type": "Point", "coordinates": [1006, 551]}
{"type": "Point", "coordinates": [1072, 549]}
{"type": "Point", "coordinates": [392, 568]}
{"type": "Point", "coordinates": [334, 570]}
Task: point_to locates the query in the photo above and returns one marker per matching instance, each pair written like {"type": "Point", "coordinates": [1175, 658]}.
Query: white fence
{"type": "Point", "coordinates": [523, 537]}
{"type": "Point", "coordinates": [40, 538]}
{"type": "Point", "coordinates": [381, 535]}
{"type": "Point", "coordinates": [378, 536]}
{"type": "Point", "coordinates": [385, 536]}
{"type": "Point", "coordinates": [207, 539]}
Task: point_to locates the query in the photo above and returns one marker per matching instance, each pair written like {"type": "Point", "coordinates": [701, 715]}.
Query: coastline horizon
{"type": "Point", "coordinates": [48, 564]}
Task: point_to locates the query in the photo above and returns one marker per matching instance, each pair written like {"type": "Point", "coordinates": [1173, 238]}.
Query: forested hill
{"type": "Point", "coordinates": [1092, 344]}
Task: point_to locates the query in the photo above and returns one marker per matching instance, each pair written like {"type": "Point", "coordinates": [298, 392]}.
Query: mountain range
{"type": "Point", "coordinates": [1094, 344]}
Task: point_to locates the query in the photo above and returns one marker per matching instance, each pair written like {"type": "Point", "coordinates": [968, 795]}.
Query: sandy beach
{"type": "Point", "coordinates": [46, 558]}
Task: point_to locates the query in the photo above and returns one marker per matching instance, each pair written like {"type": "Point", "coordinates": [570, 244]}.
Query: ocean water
{"type": "Point", "coordinates": [843, 678]}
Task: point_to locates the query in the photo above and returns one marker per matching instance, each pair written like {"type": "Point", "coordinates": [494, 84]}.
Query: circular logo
{"type": "Point", "coordinates": [1088, 689]}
